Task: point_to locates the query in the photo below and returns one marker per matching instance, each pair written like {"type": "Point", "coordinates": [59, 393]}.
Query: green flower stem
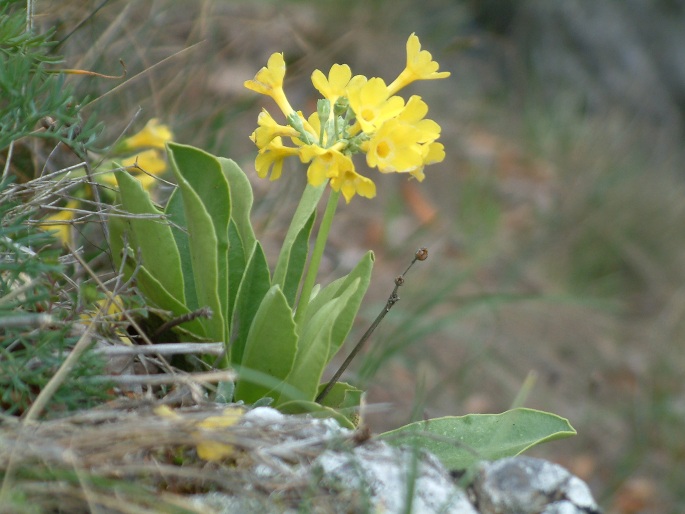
{"type": "Point", "coordinates": [315, 262]}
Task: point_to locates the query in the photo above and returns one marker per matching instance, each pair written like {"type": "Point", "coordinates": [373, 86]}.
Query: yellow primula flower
{"type": "Point", "coordinates": [372, 104]}
{"type": "Point", "coordinates": [414, 113]}
{"type": "Point", "coordinates": [60, 222]}
{"type": "Point", "coordinates": [362, 115]}
{"type": "Point", "coordinates": [350, 183]}
{"type": "Point", "coordinates": [394, 147]}
{"type": "Point", "coordinates": [420, 66]}
{"type": "Point", "coordinates": [432, 153]}
{"type": "Point", "coordinates": [325, 163]}
{"type": "Point", "coordinates": [269, 81]}
{"type": "Point", "coordinates": [141, 166]}
{"type": "Point", "coordinates": [148, 160]}
{"type": "Point", "coordinates": [269, 129]}
{"type": "Point", "coordinates": [334, 86]}
{"type": "Point", "coordinates": [153, 135]}
{"type": "Point", "coordinates": [270, 158]}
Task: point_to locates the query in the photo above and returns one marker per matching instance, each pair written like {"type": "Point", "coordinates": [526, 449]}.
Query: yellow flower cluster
{"type": "Point", "coordinates": [356, 115]}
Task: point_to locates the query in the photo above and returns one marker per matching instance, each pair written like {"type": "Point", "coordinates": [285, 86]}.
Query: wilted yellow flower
{"type": "Point", "coordinates": [60, 222]}
{"type": "Point", "coordinates": [153, 135]}
{"type": "Point", "coordinates": [420, 66]}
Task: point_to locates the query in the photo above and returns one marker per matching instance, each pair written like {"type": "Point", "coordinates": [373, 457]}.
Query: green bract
{"type": "Point", "coordinates": [201, 251]}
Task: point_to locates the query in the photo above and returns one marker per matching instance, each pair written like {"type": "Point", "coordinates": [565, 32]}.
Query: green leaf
{"type": "Point", "coordinates": [461, 441]}
{"type": "Point", "coordinates": [313, 348]}
{"type": "Point", "coordinates": [177, 218]}
{"type": "Point", "coordinates": [253, 287]}
{"type": "Point", "coordinates": [153, 236]}
{"type": "Point", "coordinates": [342, 396]}
{"type": "Point", "coordinates": [241, 202]}
{"type": "Point", "coordinates": [236, 265]}
{"type": "Point", "coordinates": [298, 258]}
{"type": "Point", "coordinates": [270, 347]}
{"type": "Point", "coordinates": [317, 411]}
{"type": "Point", "coordinates": [207, 203]}
{"type": "Point", "coordinates": [155, 292]}
{"type": "Point", "coordinates": [203, 245]}
{"type": "Point", "coordinates": [289, 261]}
{"type": "Point", "coordinates": [343, 324]}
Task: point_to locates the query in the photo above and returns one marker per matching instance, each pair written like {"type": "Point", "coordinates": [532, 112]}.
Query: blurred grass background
{"type": "Point", "coordinates": [554, 225]}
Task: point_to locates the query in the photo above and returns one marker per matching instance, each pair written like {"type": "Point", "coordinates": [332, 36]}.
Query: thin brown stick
{"type": "Point", "coordinates": [421, 255]}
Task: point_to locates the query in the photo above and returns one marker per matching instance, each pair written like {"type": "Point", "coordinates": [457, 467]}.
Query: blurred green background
{"type": "Point", "coordinates": [555, 224]}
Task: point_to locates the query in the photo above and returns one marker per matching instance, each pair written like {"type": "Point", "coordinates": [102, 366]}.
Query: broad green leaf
{"type": "Point", "coordinates": [460, 441]}
{"type": "Point", "coordinates": [313, 348]}
{"type": "Point", "coordinates": [241, 202]}
{"type": "Point", "coordinates": [343, 324]}
{"type": "Point", "coordinates": [301, 218]}
{"type": "Point", "coordinates": [317, 411]}
{"type": "Point", "coordinates": [298, 259]}
{"type": "Point", "coordinates": [201, 173]}
{"type": "Point", "coordinates": [342, 396]}
{"type": "Point", "coordinates": [117, 229]}
{"type": "Point", "coordinates": [203, 253]}
{"type": "Point", "coordinates": [254, 285]}
{"type": "Point", "coordinates": [270, 347]}
{"type": "Point", "coordinates": [153, 236]}
{"type": "Point", "coordinates": [236, 265]}
{"type": "Point", "coordinates": [177, 218]}
{"type": "Point", "coordinates": [155, 292]}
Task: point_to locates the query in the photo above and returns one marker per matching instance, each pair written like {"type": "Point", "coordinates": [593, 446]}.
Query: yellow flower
{"type": "Point", "coordinates": [142, 166]}
{"type": "Point", "coordinates": [210, 450]}
{"type": "Point", "coordinates": [270, 158]}
{"type": "Point", "coordinates": [60, 222]}
{"type": "Point", "coordinates": [113, 313]}
{"type": "Point", "coordinates": [350, 183]}
{"type": "Point", "coordinates": [420, 66]}
{"type": "Point", "coordinates": [432, 153]}
{"type": "Point", "coordinates": [338, 81]}
{"type": "Point", "coordinates": [269, 81]}
{"type": "Point", "coordinates": [269, 129]}
{"type": "Point", "coordinates": [372, 104]}
{"type": "Point", "coordinates": [148, 160]}
{"type": "Point", "coordinates": [361, 115]}
{"type": "Point", "coordinates": [153, 135]}
{"type": "Point", "coordinates": [325, 163]}
{"type": "Point", "coordinates": [394, 147]}
{"type": "Point", "coordinates": [414, 113]}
